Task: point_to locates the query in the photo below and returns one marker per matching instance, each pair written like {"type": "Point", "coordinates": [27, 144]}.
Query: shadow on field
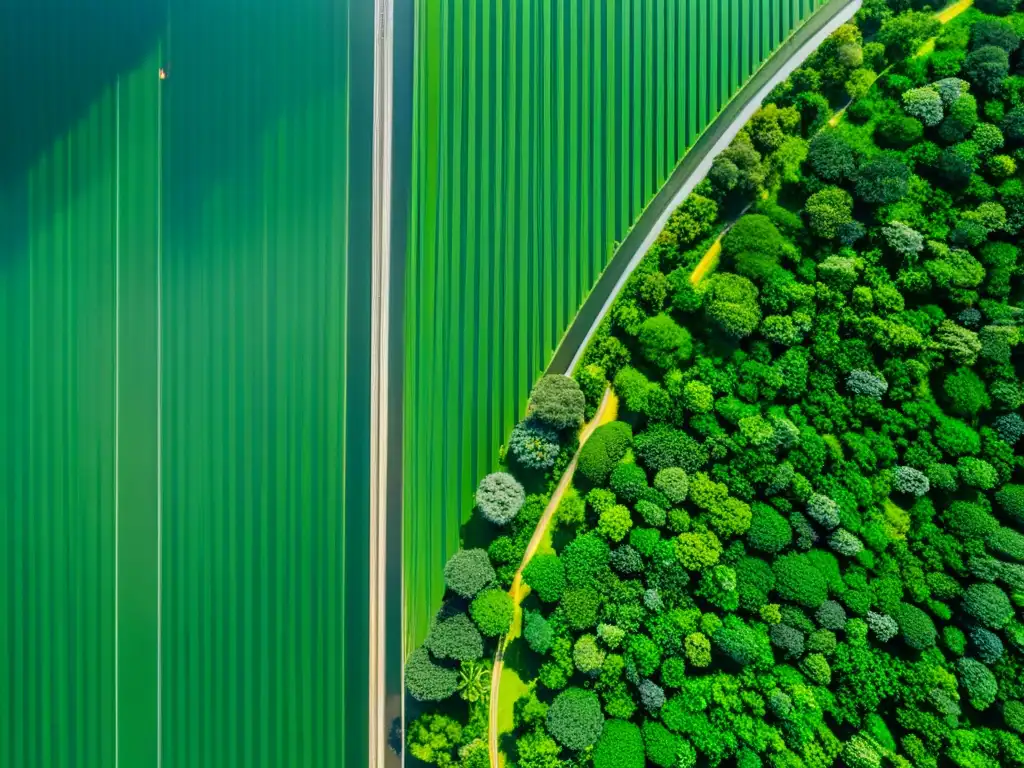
{"type": "Point", "coordinates": [56, 58]}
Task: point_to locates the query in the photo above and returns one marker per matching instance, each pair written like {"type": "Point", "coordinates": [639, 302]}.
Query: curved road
{"type": "Point", "coordinates": [694, 167]}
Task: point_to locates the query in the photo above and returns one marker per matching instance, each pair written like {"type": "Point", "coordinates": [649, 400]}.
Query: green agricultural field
{"type": "Point", "coordinates": [184, 334]}
{"type": "Point", "coordinates": [540, 132]}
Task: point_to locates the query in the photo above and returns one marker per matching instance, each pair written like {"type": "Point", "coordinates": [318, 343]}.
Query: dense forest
{"type": "Point", "coordinates": [802, 541]}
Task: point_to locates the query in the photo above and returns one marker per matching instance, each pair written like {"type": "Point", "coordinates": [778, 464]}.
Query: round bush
{"type": "Point", "coordinates": [1013, 716]}
{"type": "Point", "coordinates": [492, 611]}
{"type": "Point", "coordinates": [989, 605]}
{"type": "Point", "coordinates": [468, 571]}
{"type": "Point", "coordinates": [574, 719]}
{"type": "Point", "coordinates": [910, 480]}
{"type": "Point", "coordinates": [743, 643]}
{"type": "Point", "coordinates": [1011, 500]}
{"type": "Point", "coordinates": [652, 514]}
{"type": "Point", "coordinates": [661, 446]}
{"type": "Point", "coordinates": [620, 746]}
{"type": "Point", "coordinates": [500, 497]}
{"type": "Point", "coordinates": [545, 575]}
{"type": "Point", "coordinates": [427, 681]}
{"type": "Point", "coordinates": [916, 626]}
{"type": "Point", "coordinates": [661, 744]}
{"type": "Point", "coordinates": [584, 558]}
{"type": "Point", "coordinates": [798, 580]}
{"type": "Point", "coordinates": [980, 684]}
{"type": "Point", "coordinates": [606, 446]}
{"type": "Point", "coordinates": [967, 520]}
{"type": "Point", "coordinates": [628, 481]}
{"type": "Point", "coordinates": [883, 626]}
{"type": "Point", "coordinates": [579, 606]}
{"type": "Point", "coordinates": [674, 483]}
{"type": "Point", "coordinates": [455, 637]}
{"type": "Point", "coordinates": [769, 531]}
{"type": "Point", "coordinates": [987, 645]}
{"type": "Point", "coordinates": [788, 640]}
{"type": "Point", "coordinates": [534, 445]}
{"type": "Point", "coordinates": [664, 342]}
{"type": "Point", "coordinates": [823, 510]}
{"type": "Point", "coordinates": [558, 401]}
{"type": "Point", "coordinates": [831, 616]}
{"type": "Point", "coordinates": [1008, 543]}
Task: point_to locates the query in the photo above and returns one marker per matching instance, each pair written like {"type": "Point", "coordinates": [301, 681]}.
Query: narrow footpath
{"type": "Point", "coordinates": [605, 412]}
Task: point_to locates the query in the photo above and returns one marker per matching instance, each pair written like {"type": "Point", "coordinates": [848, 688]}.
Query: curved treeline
{"type": "Point", "coordinates": [803, 544]}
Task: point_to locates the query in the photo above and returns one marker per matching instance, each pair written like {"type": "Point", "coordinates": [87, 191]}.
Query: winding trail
{"type": "Point", "coordinates": [606, 412]}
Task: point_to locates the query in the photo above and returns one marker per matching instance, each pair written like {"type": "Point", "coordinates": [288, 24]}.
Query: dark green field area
{"type": "Point", "coordinates": [184, 333]}
{"type": "Point", "coordinates": [540, 132]}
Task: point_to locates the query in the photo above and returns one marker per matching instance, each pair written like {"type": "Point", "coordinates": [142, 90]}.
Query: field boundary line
{"type": "Point", "coordinates": [800, 44]}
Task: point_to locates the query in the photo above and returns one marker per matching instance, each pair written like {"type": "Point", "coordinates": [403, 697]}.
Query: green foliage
{"type": "Point", "coordinates": [987, 67]}
{"type": "Point", "coordinates": [661, 745]}
{"type": "Point", "coordinates": [1011, 500]}
{"type": "Point", "coordinates": [614, 523]}
{"type": "Point", "coordinates": [620, 746]}
{"type": "Point", "coordinates": [579, 607]}
{"type": "Point", "coordinates": [883, 180]}
{"type": "Point", "coordinates": [585, 558]}
{"type": "Point", "coordinates": [558, 402]}
{"type": "Point", "coordinates": [797, 579]}
{"type": "Point", "coordinates": [454, 637]}
{"type": "Point", "coordinates": [979, 683]}
{"type": "Point", "coordinates": [537, 631]}
{"type": "Point", "coordinates": [628, 481]}
{"type": "Point", "coordinates": [916, 627]}
{"type": "Point", "coordinates": [692, 220]}
{"type": "Point", "coordinates": [674, 483]}
{"type": "Point", "coordinates": [468, 571]}
{"type": "Point", "coordinates": [545, 575]}
{"type": "Point", "coordinates": [662, 446]}
{"type": "Point", "coordinates": [925, 104]}
{"type": "Point", "coordinates": [575, 719]}
{"type": "Point", "coordinates": [731, 302]}
{"type": "Point", "coordinates": [698, 549]}
{"type": "Point", "coordinates": [499, 497]}
{"type": "Point", "coordinates": [989, 605]}
{"type": "Point", "coordinates": [534, 445]}
{"type": "Point", "coordinates": [698, 397]}
{"type": "Point", "coordinates": [433, 738]}
{"type": "Point", "coordinates": [769, 531]}
{"type": "Point", "coordinates": [606, 446]}
{"type": "Point", "coordinates": [492, 611]}
{"type": "Point", "coordinates": [745, 644]}
{"type": "Point", "coordinates": [664, 342]}
{"type": "Point", "coordinates": [827, 210]}
{"type": "Point", "coordinates": [426, 680]}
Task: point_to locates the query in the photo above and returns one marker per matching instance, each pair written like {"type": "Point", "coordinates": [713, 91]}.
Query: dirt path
{"type": "Point", "coordinates": [604, 410]}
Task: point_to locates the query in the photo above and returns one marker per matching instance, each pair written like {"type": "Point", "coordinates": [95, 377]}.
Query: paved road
{"type": "Point", "coordinates": [380, 308]}
{"type": "Point", "coordinates": [604, 412]}
{"type": "Point", "coordinates": [690, 171]}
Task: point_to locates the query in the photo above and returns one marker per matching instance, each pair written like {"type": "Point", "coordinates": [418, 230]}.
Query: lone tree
{"type": "Point", "coordinates": [558, 402]}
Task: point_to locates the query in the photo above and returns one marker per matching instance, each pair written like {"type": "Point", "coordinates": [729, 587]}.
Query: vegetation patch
{"type": "Point", "coordinates": [803, 544]}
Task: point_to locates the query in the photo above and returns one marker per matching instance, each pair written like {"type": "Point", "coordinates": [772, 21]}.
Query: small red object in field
{"type": "Point", "coordinates": [163, 73]}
